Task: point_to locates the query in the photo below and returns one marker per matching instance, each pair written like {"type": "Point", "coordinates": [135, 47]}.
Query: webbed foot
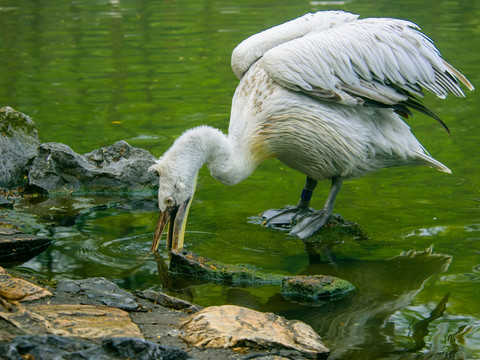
{"type": "Point", "coordinates": [284, 218]}
{"type": "Point", "coordinates": [310, 223]}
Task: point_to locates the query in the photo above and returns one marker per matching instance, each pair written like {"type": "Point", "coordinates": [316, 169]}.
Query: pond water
{"type": "Point", "coordinates": [90, 73]}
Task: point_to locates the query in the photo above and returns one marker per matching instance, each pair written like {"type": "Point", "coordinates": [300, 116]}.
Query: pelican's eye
{"type": "Point", "coordinates": [170, 201]}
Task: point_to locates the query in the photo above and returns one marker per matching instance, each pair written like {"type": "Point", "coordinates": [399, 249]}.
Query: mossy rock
{"type": "Point", "coordinates": [187, 263]}
{"type": "Point", "coordinates": [336, 229]}
{"type": "Point", "coordinates": [315, 287]}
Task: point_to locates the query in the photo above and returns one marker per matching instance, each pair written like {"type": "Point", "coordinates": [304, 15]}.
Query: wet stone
{"type": "Point", "coordinates": [18, 239]}
{"type": "Point", "coordinates": [52, 347]}
{"type": "Point", "coordinates": [98, 291]}
{"type": "Point", "coordinates": [18, 247]}
{"type": "Point", "coordinates": [168, 301]}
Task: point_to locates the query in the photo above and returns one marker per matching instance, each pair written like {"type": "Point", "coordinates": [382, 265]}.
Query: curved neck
{"type": "Point", "coordinates": [228, 162]}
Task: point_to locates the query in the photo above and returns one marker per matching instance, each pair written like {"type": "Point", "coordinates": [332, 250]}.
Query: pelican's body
{"type": "Point", "coordinates": [323, 93]}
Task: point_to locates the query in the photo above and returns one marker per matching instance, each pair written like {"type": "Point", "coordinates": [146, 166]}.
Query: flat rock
{"type": "Point", "coordinates": [240, 328]}
{"type": "Point", "coordinates": [116, 168]}
{"type": "Point", "coordinates": [88, 321]}
{"type": "Point", "coordinates": [18, 146]}
{"type": "Point", "coordinates": [15, 289]}
{"type": "Point", "coordinates": [52, 347]}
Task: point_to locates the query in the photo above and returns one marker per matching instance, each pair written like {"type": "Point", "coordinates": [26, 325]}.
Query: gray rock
{"type": "Point", "coordinates": [53, 347]}
{"type": "Point", "coordinates": [18, 146]}
{"type": "Point", "coordinates": [116, 168]}
{"type": "Point", "coordinates": [98, 291]}
{"type": "Point", "coordinates": [168, 301]}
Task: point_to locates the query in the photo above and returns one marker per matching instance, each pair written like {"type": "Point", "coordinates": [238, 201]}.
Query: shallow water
{"type": "Point", "coordinates": [94, 72]}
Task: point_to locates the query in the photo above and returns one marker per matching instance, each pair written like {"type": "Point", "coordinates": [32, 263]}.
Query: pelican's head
{"type": "Point", "coordinates": [175, 193]}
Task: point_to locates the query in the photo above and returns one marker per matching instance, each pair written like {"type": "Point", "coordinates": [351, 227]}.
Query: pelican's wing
{"type": "Point", "coordinates": [379, 62]}
{"type": "Point", "coordinates": [253, 48]}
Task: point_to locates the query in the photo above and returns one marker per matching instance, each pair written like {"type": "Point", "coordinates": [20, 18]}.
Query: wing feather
{"type": "Point", "coordinates": [384, 60]}
{"type": "Point", "coordinates": [253, 48]}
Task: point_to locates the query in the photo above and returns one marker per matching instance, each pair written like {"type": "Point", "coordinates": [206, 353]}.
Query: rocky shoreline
{"type": "Point", "coordinates": [93, 318]}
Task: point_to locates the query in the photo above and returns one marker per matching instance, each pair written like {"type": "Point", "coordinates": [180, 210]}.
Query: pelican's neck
{"type": "Point", "coordinates": [227, 160]}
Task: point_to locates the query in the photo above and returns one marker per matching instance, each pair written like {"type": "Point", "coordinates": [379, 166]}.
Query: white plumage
{"type": "Point", "coordinates": [323, 93]}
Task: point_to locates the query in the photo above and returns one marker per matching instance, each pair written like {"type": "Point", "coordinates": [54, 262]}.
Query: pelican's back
{"type": "Point", "coordinates": [324, 93]}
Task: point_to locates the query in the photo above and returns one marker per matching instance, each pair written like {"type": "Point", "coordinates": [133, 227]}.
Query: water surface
{"type": "Point", "coordinates": [94, 72]}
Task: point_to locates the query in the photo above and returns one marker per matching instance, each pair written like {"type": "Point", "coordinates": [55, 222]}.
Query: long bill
{"type": "Point", "coordinates": [176, 218]}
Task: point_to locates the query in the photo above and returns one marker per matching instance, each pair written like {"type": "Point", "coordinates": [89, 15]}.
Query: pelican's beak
{"type": "Point", "coordinates": [177, 216]}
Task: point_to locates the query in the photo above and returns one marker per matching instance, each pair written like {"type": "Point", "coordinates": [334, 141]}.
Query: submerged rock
{"type": "Point", "coordinates": [50, 347]}
{"type": "Point", "coordinates": [116, 168]}
{"type": "Point", "coordinates": [240, 328]}
{"type": "Point", "coordinates": [315, 287]}
{"type": "Point", "coordinates": [18, 146]}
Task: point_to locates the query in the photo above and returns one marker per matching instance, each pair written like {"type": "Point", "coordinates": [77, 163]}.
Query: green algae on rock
{"type": "Point", "coordinates": [315, 287]}
{"type": "Point", "coordinates": [18, 146]}
{"type": "Point", "coordinates": [187, 263]}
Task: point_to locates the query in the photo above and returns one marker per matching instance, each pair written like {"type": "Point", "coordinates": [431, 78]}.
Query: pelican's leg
{"type": "Point", "coordinates": [313, 221]}
{"type": "Point", "coordinates": [289, 214]}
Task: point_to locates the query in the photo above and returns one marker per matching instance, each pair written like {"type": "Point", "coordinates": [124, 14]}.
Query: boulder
{"type": "Point", "coordinates": [243, 329]}
{"type": "Point", "coordinates": [116, 168]}
{"type": "Point", "coordinates": [18, 146]}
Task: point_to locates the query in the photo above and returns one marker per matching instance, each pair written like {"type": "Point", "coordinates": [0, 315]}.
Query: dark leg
{"type": "Point", "coordinates": [313, 221]}
{"type": "Point", "coordinates": [288, 215]}
{"type": "Point", "coordinates": [307, 193]}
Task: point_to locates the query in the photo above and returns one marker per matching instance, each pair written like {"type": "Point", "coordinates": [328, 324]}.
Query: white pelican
{"type": "Point", "coordinates": [325, 94]}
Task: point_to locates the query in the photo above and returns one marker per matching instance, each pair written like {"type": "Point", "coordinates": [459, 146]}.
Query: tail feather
{"type": "Point", "coordinates": [459, 76]}
{"type": "Point", "coordinates": [429, 161]}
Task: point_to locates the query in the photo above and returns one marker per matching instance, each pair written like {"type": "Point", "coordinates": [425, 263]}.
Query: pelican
{"type": "Point", "coordinates": [325, 94]}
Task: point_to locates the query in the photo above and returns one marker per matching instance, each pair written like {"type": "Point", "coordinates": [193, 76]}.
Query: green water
{"type": "Point", "coordinates": [90, 73]}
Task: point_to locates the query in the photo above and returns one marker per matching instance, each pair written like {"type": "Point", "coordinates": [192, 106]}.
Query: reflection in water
{"type": "Point", "coordinates": [420, 329]}
{"type": "Point", "coordinates": [360, 326]}
{"type": "Point", "coordinates": [357, 326]}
